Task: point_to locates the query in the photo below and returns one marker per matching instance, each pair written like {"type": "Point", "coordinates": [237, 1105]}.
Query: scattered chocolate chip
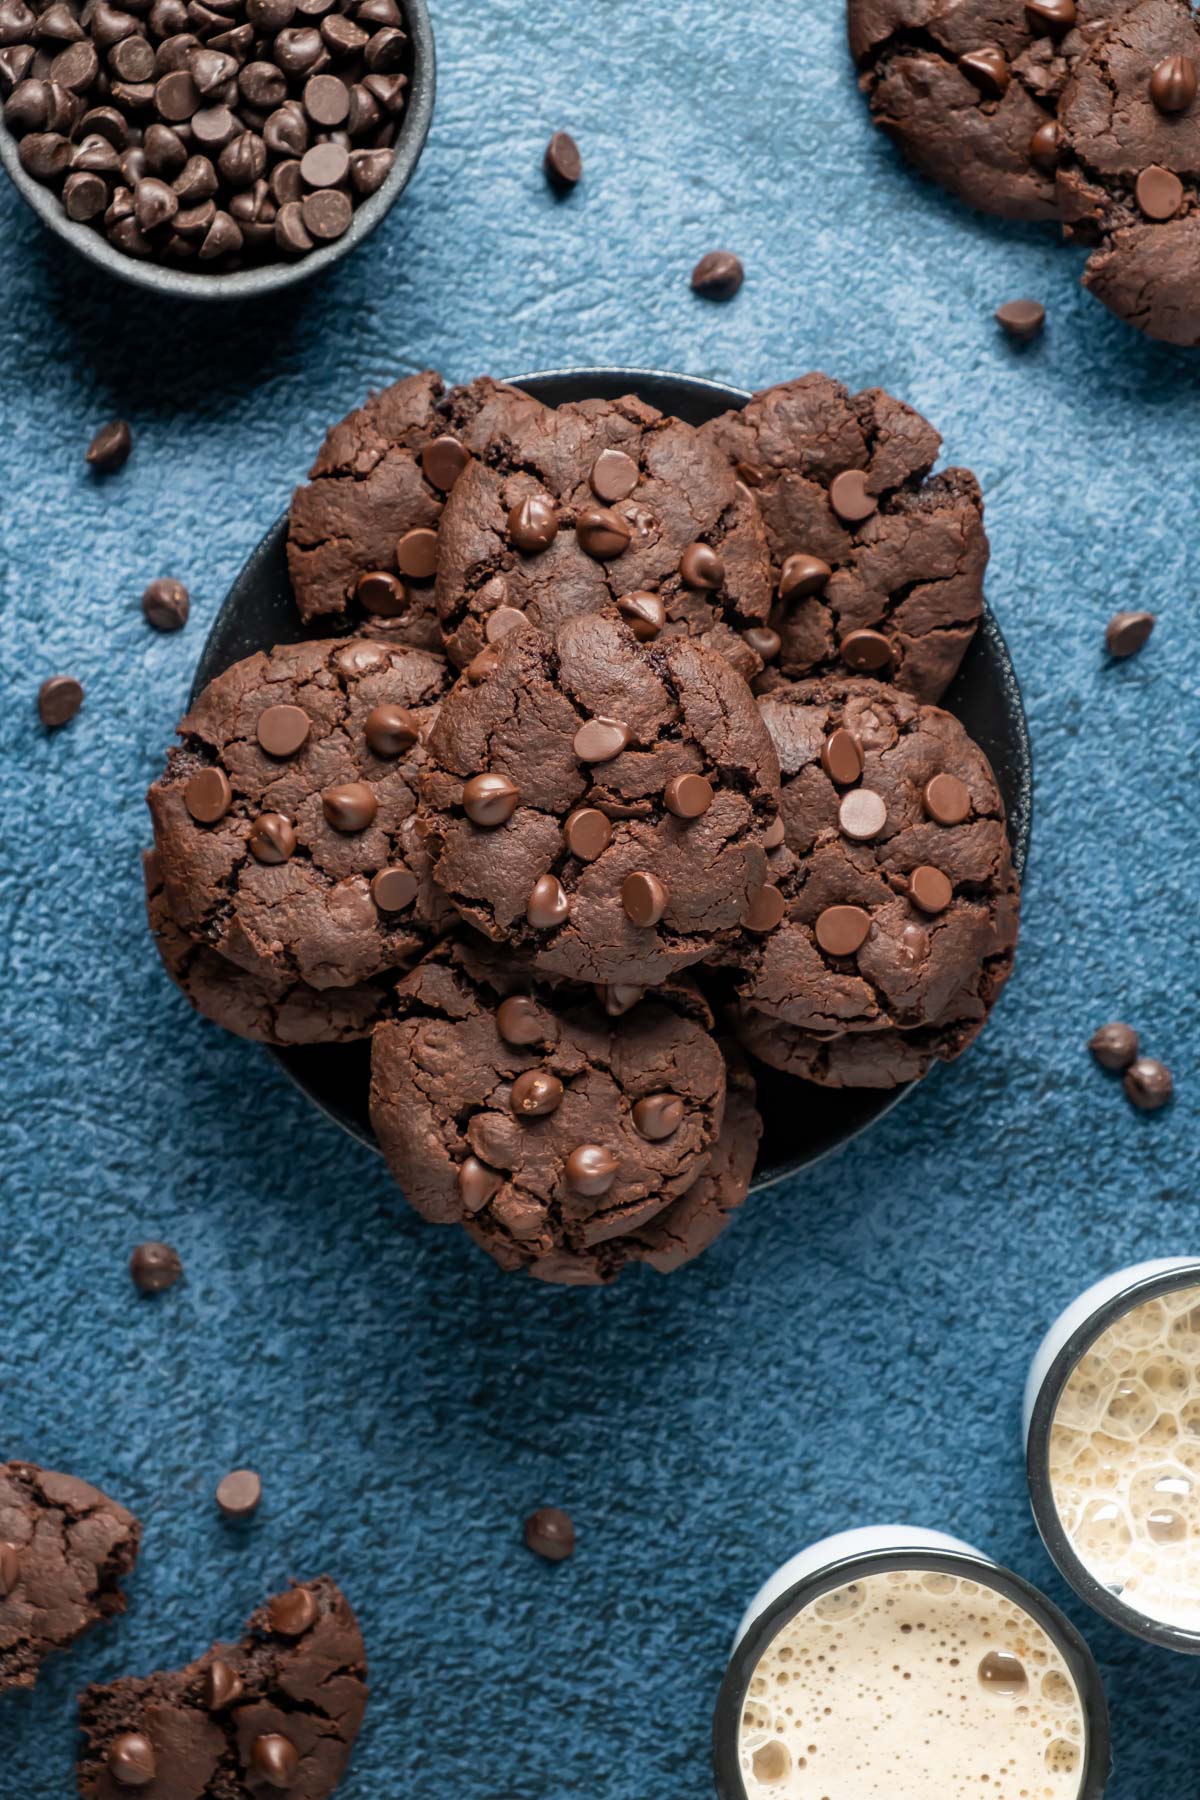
{"type": "Point", "coordinates": [391, 730]}
{"type": "Point", "coordinates": [1046, 146]}
{"type": "Point", "coordinates": [548, 905]}
{"type": "Point", "coordinates": [282, 730]}
{"type": "Point", "coordinates": [644, 613]}
{"type": "Point", "coordinates": [1050, 17]}
{"type": "Point", "coordinates": [930, 889]}
{"type": "Point", "coordinates": [867, 652]}
{"type": "Point", "coordinates": [774, 835]}
{"type": "Point", "coordinates": [599, 740]}
{"type": "Point", "coordinates": [380, 593]}
{"type": "Point", "coordinates": [155, 1267]}
{"type": "Point", "coordinates": [644, 898]}
{"type": "Point", "coordinates": [550, 1534]}
{"type": "Point", "coordinates": [394, 889]}
{"type": "Point", "coordinates": [602, 533]}
{"type": "Point", "coordinates": [1127, 632]}
{"type": "Point", "coordinates": [718, 275]}
{"type": "Point", "coordinates": [443, 461]}
{"type": "Point", "coordinates": [1114, 1046]}
{"type": "Point", "coordinates": [416, 553]}
{"type": "Point", "coordinates": [519, 1021]}
{"type": "Point", "coordinates": [1022, 320]}
{"type": "Point", "coordinates": [109, 450]}
{"type": "Point", "coordinates": [533, 524]}
{"type": "Point", "coordinates": [239, 1494]}
{"type": "Point", "coordinates": [59, 699]}
{"type": "Point", "coordinates": [841, 930]}
{"type": "Point", "coordinates": [1173, 84]}
{"type": "Point", "coordinates": [275, 1760]}
{"type": "Point", "coordinates": [802, 576]}
{"type": "Point", "coordinates": [272, 839]}
{"type": "Point", "coordinates": [587, 833]}
{"type": "Point", "coordinates": [862, 814]}
{"type": "Point", "coordinates": [764, 642]}
{"type": "Point", "coordinates": [590, 1170]}
{"type": "Point", "coordinates": [293, 1612]}
{"type": "Point", "coordinates": [351, 806]}
{"type": "Point", "coordinates": [222, 1685]}
{"type": "Point", "coordinates": [477, 1184]}
{"type": "Point", "coordinates": [688, 796]}
{"type": "Point", "coordinates": [562, 162]}
{"type": "Point", "coordinates": [842, 757]}
{"type": "Point", "coordinates": [766, 909]}
{"type": "Point", "coordinates": [502, 621]}
{"type": "Point", "coordinates": [131, 1760]}
{"type": "Point", "coordinates": [849, 497]}
{"type": "Point", "coordinates": [618, 997]}
{"type": "Point", "coordinates": [989, 70]}
{"type": "Point", "coordinates": [946, 799]}
{"type": "Point", "coordinates": [658, 1116]}
{"type": "Point", "coordinates": [165, 604]}
{"type": "Point", "coordinates": [10, 1568]}
{"type": "Point", "coordinates": [700, 567]}
{"type": "Point", "coordinates": [536, 1094]}
{"type": "Point", "coordinates": [1159, 193]}
{"type": "Point", "coordinates": [489, 800]}
{"type": "Point", "coordinates": [613, 477]}
{"type": "Point", "coordinates": [1149, 1084]}
{"type": "Point", "coordinates": [208, 796]}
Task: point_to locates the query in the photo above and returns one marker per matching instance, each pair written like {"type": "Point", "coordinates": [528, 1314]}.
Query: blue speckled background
{"type": "Point", "coordinates": [855, 1347]}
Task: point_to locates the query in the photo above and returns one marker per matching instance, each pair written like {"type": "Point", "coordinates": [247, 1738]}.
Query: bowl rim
{"type": "Point", "coordinates": [619, 379]}
{"type": "Point", "coordinates": [269, 278]}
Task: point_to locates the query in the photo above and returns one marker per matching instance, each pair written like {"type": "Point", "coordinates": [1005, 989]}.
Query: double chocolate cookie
{"type": "Point", "coordinates": [596, 506]}
{"type": "Point", "coordinates": [968, 89]}
{"type": "Point", "coordinates": [1130, 180]}
{"type": "Point", "coordinates": [64, 1549]}
{"type": "Point", "coordinates": [600, 804]}
{"type": "Point", "coordinates": [277, 1712]}
{"type": "Point", "coordinates": [547, 1119]}
{"type": "Point", "coordinates": [286, 821]}
{"type": "Point", "coordinates": [878, 566]}
{"type": "Point", "coordinates": [901, 898]}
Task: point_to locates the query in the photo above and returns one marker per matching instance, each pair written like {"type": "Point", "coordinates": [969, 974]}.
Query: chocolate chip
{"type": "Point", "coordinates": [10, 1568]}
{"type": "Point", "coordinates": [841, 930]}
{"type": "Point", "coordinates": [155, 1267]}
{"type": "Point", "coordinates": [262, 84]}
{"type": "Point", "coordinates": [381, 593]}
{"type": "Point", "coordinates": [222, 1685]}
{"type": "Point", "coordinates": [369, 169]}
{"type": "Point", "coordinates": [614, 476]}
{"type": "Point", "coordinates": [533, 524]}
{"type": "Point", "coordinates": [718, 275]}
{"type": "Point", "coordinates": [223, 238]}
{"type": "Point", "coordinates": [929, 889]}
{"type": "Point", "coordinates": [519, 1021]}
{"type": "Point", "coordinates": [1046, 146]}
{"type": "Point", "coordinates": [282, 730]}
{"type": "Point", "coordinates": [196, 181]}
{"type": "Point", "coordinates": [1173, 84]}
{"type": "Point", "coordinates": [443, 461]}
{"type": "Point", "coordinates": [644, 898]}
{"type": "Point", "coordinates": [862, 815]}
{"type": "Point", "coordinates": [274, 1759]}
{"type": "Point", "coordinates": [391, 730]}
{"type": "Point", "coordinates": [76, 67]}
{"type": "Point", "coordinates": [536, 1094]}
{"type": "Point", "coordinates": [343, 36]}
{"type": "Point", "coordinates": [502, 621]}
{"type": "Point", "coordinates": [803, 575]}
{"type": "Point", "coordinates": [1159, 193]}
{"type": "Point", "coordinates": [394, 889]}
{"type": "Point", "coordinates": [131, 1760]}
{"type": "Point", "coordinates": [292, 1613]}
{"type": "Point", "coordinates": [164, 150]}
{"type": "Point", "coordinates": [764, 642]}
{"type": "Point", "coordinates": [242, 161]}
{"type": "Point", "coordinates": [489, 800]}
{"type": "Point", "coordinates": [590, 1170]}
{"type": "Point", "coordinates": [702, 568]}
{"type": "Point", "coordinates": [59, 699]}
{"type": "Point", "coordinates": [849, 498]}
{"type": "Point", "coordinates": [239, 1493]}
{"type": "Point", "coordinates": [132, 59]}
{"type": "Point", "coordinates": [658, 1116]}
{"type": "Point", "coordinates": [385, 51]}
{"type": "Point", "coordinates": [110, 448]}
{"type": "Point", "coordinates": [1127, 632]}
{"type": "Point", "coordinates": [326, 100]}
{"type": "Point", "coordinates": [766, 909]}
{"type": "Point", "coordinates": [290, 233]}
{"type": "Point", "coordinates": [562, 162]}
{"type": "Point", "coordinates": [547, 905]}
{"type": "Point", "coordinates": [1022, 320]}
{"type": "Point", "coordinates": [644, 613]}
{"type": "Point", "coordinates": [176, 96]}
{"type": "Point", "coordinates": [1149, 1084]}
{"type": "Point", "coordinates": [688, 796]}
{"type": "Point", "coordinates": [285, 131]}
{"type": "Point", "coordinates": [326, 214]}
{"type": "Point", "coordinates": [842, 757]}
{"type": "Point", "coordinates": [774, 835]}
{"type": "Point", "coordinates": [550, 1534]}
{"type": "Point", "coordinates": [477, 1184]}
{"type": "Point", "coordinates": [1051, 17]}
{"type": "Point", "coordinates": [416, 553]}
{"type": "Point", "coordinates": [988, 70]}
{"type": "Point", "coordinates": [587, 833]}
{"type": "Point", "coordinates": [867, 652]}
{"type": "Point", "coordinates": [946, 799]}
{"type": "Point", "coordinates": [602, 533]}
{"type": "Point", "coordinates": [208, 796]}
{"type": "Point", "coordinates": [618, 998]}
{"type": "Point", "coordinates": [599, 740]}
{"type": "Point", "coordinates": [1114, 1046]}
{"type": "Point", "coordinates": [351, 806]}
{"type": "Point", "coordinates": [325, 165]}
{"type": "Point", "coordinates": [45, 155]}
{"type": "Point", "coordinates": [272, 839]}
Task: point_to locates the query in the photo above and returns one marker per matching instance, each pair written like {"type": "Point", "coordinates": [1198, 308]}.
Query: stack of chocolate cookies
{"type": "Point", "coordinates": [1082, 111]}
{"type": "Point", "coordinates": [612, 764]}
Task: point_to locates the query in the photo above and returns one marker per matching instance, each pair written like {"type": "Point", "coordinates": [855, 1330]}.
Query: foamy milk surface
{"type": "Point", "coordinates": [912, 1685]}
{"type": "Point", "coordinates": [1125, 1458]}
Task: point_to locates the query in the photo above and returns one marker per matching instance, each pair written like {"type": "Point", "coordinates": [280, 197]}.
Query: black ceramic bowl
{"type": "Point", "coordinates": [247, 284]}
{"type": "Point", "coordinates": [801, 1123]}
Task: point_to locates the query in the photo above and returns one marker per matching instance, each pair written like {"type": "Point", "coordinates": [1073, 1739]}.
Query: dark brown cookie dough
{"type": "Point", "coordinates": [373, 502]}
{"type": "Point", "coordinates": [599, 803]}
{"type": "Point", "coordinates": [968, 89]}
{"type": "Point", "coordinates": [878, 566]}
{"type": "Point", "coordinates": [583, 507]}
{"type": "Point", "coordinates": [64, 1549]}
{"type": "Point", "coordinates": [901, 898]}
{"type": "Point", "coordinates": [534, 1115]}
{"type": "Point", "coordinates": [276, 1712]}
{"type": "Point", "coordinates": [288, 843]}
{"type": "Point", "coordinates": [267, 1009]}
{"type": "Point", "coordinates": [1130, 185]}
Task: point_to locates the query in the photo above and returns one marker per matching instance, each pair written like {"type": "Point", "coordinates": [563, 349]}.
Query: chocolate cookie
{"type": "Point", "coordinates": [544, 1118]}
{"type": "Point", "coordinates": [278, 1711]}
{"type": "Point", "coordinates": [878, 566]}
{"type": "Point", "coordinates": [901, 898]}
{"type": "Point", "coordinates": [268, 1009]}
{"type": "Point", "coordinates": [595, 505]}
{"type": "Point", "coordinates": [285, 822]}
{"type": "Point", "coordinates": [968, 89]}
{"type": "Point", "coordinates": [363, 534]}
{"type": "Point", "coordinates": [601, 804]}
{"type": "Point", "coordinates": [1130, 184]}
{"type": "Point", "coordinates": [64, 1548]}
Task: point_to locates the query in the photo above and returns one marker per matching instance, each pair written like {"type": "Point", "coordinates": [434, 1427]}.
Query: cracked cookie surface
{"type": "Point", "coordinates": [277, 1711]}
{"type": "Point", "coordinates": [901, 898]}
{"type": "Point", "coordinates": [968, 88]}
{"type": "Point", "coordinates": [276, 820]}
{"type": "Point", "coordinates": [573, 509]}
{"type": "Point", "coordinates": [527, 1112]}
{"type": "Point", "coordinates": [599, 803]}
{"type": "Point", "coordinates": [64, 1549]}
{"type": "Point", "coordinates": [877, 564]}
{"type": "Point", "coordinates": [1130, 185]}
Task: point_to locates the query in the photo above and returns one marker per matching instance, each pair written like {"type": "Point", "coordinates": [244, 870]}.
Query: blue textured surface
{"type": "Point", "coordinates": [856, 1345]}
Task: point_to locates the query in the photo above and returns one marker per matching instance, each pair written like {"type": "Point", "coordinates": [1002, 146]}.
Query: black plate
{"type": "Point", "coordinates": [801, 1123]}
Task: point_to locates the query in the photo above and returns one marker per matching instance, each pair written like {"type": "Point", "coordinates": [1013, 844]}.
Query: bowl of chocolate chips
{"type": "Point", "coordinates": [214, 149]}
